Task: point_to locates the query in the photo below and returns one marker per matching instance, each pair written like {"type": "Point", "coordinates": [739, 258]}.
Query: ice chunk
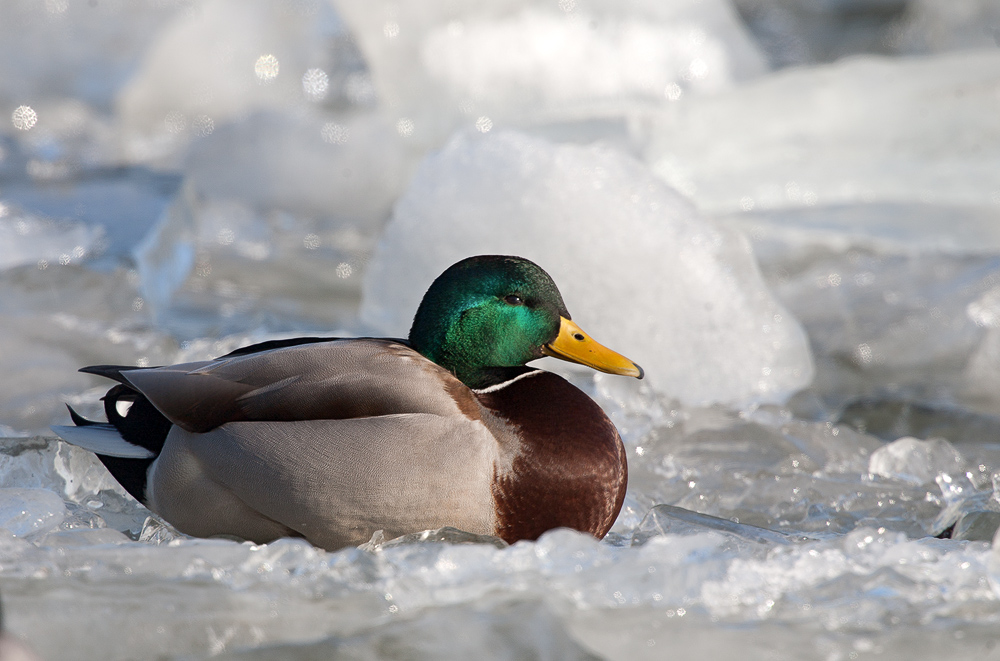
{"type": "Point", "coordinates": [981, 379]}
{"type": "Point", "coordinates": [885, 323]}
{"type": "Point", "coordinates": [57, 318]}
{"type": "Point", "coordinates": [350, 169]}
{"type": "Point", "coordinates": [447, 535]}
{"type": "Point", "coordinates": [277, 217]}
{"type": "Point", "coordinates": [102, 212]}
{"type": "Point", "coordinates": [92, 497]}
{"type": "Point", "coordinates": [27, 511]}
{"type": "Point", "coordinates": [977, 525]}
{"type": "Point", "coordinates": [670, 520]}
{"type": "Point", "coordinates": [165, 256]}
{"type": "Point", "coordinates": [443, 65]}
{"type": "Point", "coordinates": [891, 228]}
{"type": "Point", "coordinates": [222, 60]}
{"type": "Point", "coordinates": [916, 461]}
{"type": "Point", "coordinates": [66, 49]}
{"type": "Point", "coordinates": [930, 26]}
{"type": "Point", "coordinates": [636, 264]}
{"type": "Point", "coordinates": [861, 130]}
{"type": "Point", "coordinates": [797, 32]}
{"type": "Point", "coordinates": [785, 475]}
{"type": "Point", "coordinates": [28, 239]}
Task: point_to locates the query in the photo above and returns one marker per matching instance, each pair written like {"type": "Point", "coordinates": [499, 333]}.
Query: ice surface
{"type": "Point", "coordinates": [212, 207]}
{"type": "Point", "coordinates": [446, 65]}
{"type": "Point", "coordinates": [563, 597]}
{"type": "Point", "coordinates": [620, 245]}
{"type": "Point", "coordinates": [861, 130]}
{"type": "Point", "coordinates": [779, 473]}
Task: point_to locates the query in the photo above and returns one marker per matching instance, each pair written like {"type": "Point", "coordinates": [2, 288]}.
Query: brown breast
{"type": "Point", "coordinates": [562, 461]}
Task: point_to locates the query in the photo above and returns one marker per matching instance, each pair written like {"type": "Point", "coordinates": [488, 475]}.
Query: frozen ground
{"type": "Point", "coordinates": [805, 258]}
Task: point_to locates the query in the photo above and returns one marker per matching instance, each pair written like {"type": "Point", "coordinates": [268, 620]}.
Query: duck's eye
{"type": "Point", "coordinates": [513, 299]}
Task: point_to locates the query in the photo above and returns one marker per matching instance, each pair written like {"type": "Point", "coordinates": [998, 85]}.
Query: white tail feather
{"type": "Point", "coordinates": [102, 439]}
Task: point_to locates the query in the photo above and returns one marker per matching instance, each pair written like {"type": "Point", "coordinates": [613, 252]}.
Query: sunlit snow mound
{"type": "Point", "coordinates": [637, 266]}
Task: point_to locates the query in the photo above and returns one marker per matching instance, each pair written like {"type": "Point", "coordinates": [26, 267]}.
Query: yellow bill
{"type": "Point", "coordinates": [574, 345]}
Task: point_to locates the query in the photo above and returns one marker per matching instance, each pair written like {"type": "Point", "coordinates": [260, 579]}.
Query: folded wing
{"type": "Point", "coordinates": [335, 380]}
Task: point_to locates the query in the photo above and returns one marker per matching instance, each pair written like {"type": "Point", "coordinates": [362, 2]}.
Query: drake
{"type": "Point", "coordinates": [334, 439]}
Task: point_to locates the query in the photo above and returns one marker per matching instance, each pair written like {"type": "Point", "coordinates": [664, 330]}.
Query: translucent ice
{"type": "Point", "coordinates": [891, 323]}
{"type": "Point", "coordinates": [27, 511]}
{"type": "Point", "coordinates": [218, 596]}
{"type": "Point", "coordinates": [27, 239]}
{"type": "Point", "coordinates": [221, 60]}
{"type": "Point", "coordinates": [509, 631]}
{"type": "Point", "coordinates": [782, 474]}
{"type": "Point", "coordinates": [670, 520]}
{"type": "Point", "coordinates": [106, 212]}
{"type": "Point", "coordinates": [916, 461]}
{"type": "Point", "coordinates": [56, 318]}
{"type": "Point", "coordinates": [981, 379]}
{"type": "Point", "coordinates": [861, 130]}
{"type": "Point", "coordinates": [635, 263]}
{"type": "Point", "coordinates": [66, 49]}
{"type": "Point", "coordinates": [797, 32]}
{"type": "Point", "coordinates": [347, 168]}
{"type": "Point", "coordinates": [930, 26]}
{"type": "Point", "coordinates": [443, 65]}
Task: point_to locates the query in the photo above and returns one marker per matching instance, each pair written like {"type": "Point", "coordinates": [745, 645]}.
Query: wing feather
{"type": "Point", "coordinates": [332, 380]}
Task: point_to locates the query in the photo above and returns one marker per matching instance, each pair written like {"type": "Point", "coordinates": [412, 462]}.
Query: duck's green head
{"type": "Point", "coordinates": [492, 312]}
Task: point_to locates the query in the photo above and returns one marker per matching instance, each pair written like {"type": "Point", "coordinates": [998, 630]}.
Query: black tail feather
{"type": "Point", "coordinates": [113, 372]}
{"type": "Point", "coordinates": [130, 473]}
{"type": "Point", "coordinates": [79, 420]}
{"type": "Point", "coordinates": [141, 424]}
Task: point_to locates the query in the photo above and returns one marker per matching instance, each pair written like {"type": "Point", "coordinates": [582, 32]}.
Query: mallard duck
{"type": "Point", "coordinates": [334, 439]}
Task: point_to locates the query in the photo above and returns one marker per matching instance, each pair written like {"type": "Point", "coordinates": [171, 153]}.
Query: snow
{"type": "Point", "coordinates": [180, 179]}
